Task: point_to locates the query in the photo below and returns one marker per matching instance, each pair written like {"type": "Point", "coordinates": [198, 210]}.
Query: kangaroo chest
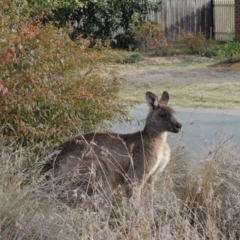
{"type": "Point", "coordinates": [160, 158]}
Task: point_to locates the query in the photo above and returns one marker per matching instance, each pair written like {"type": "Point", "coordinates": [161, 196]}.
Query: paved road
{"type": "Point", "coordinates": [203, 130]}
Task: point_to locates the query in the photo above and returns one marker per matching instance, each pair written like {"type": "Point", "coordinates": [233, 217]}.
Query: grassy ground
{"type": "Point", "coordinates": [190, 202]}
{"type": "Point", "coordinates": [200, 202]}
{"type": "Point", "coordinates": [190, 84]}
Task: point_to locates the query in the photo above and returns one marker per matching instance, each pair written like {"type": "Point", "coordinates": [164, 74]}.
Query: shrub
{"type": "Point", "coordinates": [194, 41]}
{"type": "Point", "coordinates": [99, 19]}
{"type": "Point", "coordinates": [131, 58]}
{"type": "Point", "coordinates": [125, 40]}
{"type": "Point", "coordinates": [231, 48]}
{"type": "Point", "coordinates": [198, 44]}
{"type": "Point", "coordinates": [207, 52]}
{"type": "Point", "coordinates": [149, 36]}
{"type": "Point", "coordinates": [50, 87]}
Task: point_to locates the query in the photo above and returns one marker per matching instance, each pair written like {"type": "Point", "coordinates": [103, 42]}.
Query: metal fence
{"type": "Point", "coordinates": [224, 20]}
{"type": "Point", "coordinates": [184, 15]}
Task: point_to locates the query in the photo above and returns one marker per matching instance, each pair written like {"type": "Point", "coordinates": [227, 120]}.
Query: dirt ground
{"type": "Point", "coordinates": [192, 81]}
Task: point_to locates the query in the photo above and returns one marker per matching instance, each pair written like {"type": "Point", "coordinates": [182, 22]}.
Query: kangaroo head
{"type": "Point", "coordinates": [161, 117]}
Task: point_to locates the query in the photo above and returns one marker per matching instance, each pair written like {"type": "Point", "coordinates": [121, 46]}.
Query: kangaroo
{"type": "Point", "coordinates": [103, 161]}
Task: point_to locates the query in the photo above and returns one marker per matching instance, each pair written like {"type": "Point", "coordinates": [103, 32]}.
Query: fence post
{"type": "Point", "coordinates": [237, 19]}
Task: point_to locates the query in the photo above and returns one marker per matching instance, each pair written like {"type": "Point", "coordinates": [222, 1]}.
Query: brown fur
{"type": "Point", "coordinates": [100, 162]}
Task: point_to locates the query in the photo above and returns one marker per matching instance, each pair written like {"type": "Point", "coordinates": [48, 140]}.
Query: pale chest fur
{"type": "Point", "coordinates": [161, 156]}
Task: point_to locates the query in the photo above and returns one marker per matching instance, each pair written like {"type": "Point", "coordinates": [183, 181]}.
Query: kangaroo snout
{"type": "Point", "coordinates": [178, 127]}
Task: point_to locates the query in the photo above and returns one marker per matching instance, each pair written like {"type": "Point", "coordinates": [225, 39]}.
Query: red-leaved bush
{"type": "Point", "coordinates": [50, 86]}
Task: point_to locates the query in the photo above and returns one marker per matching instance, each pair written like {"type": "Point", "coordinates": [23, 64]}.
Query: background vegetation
{"type": "Point", "coordinates": [95, 19]}
{"type": "Point", "coordinates": [52, 88]}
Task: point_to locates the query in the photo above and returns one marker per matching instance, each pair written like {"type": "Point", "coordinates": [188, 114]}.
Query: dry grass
{"type": "Point", "coordinates": [190, 202]}
{"type": "Point", "coordinates": [191, 84]}
{"type": "Point", "coordinates": [214, 95]}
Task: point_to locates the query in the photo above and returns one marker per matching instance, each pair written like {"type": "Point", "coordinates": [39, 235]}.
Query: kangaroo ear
{"type": "Point", "coordinates": [164, 98]}
{"type": "Point", "coordinates": [151, 99]}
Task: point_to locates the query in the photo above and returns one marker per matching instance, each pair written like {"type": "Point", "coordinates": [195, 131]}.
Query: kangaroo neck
{"type": "Point", "coordinates": [155, 135]}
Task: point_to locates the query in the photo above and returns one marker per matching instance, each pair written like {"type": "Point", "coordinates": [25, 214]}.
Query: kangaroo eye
{"type": "Point", "coordinates": [164, 115]}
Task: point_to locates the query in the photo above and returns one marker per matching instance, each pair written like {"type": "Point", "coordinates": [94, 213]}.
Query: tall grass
{"type": "Point", "coordinates": [190, 202]}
